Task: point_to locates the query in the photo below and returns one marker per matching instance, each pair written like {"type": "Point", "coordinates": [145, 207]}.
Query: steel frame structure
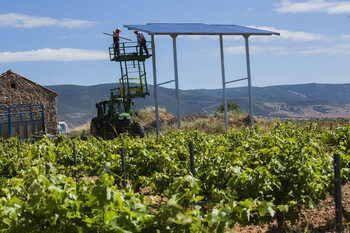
{"type": "Point", "coordinates": [176, 29]}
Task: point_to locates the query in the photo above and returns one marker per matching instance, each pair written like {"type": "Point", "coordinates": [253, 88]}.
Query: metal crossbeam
{"type": "Point", "coordinates": [237, 80]}
{"type": "Point", "coordinates": [159, 84]}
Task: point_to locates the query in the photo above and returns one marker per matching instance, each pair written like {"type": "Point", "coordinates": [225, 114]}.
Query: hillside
{"type": "Point", "coordinates": [76, 104]}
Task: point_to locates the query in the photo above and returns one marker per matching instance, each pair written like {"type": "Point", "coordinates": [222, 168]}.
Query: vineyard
{"type": "Point", "coordinates": [249, 176]}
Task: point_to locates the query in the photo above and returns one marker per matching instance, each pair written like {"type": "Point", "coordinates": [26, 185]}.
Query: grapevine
{"type": "Point", "coordinates": [247, 176]}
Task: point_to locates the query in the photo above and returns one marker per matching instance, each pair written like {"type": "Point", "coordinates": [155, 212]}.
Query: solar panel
{"type": "Point", "coordinates": [248, 30]}
{"type": "Point", "coordinates": [197, 29]}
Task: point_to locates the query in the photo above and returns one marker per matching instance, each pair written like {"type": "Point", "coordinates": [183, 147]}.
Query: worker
{"type": "Point", "coordinates": [141, 42]}
{"type": "Point", "coordinates": [59, 129]}
{"type": "Point", "coordinates": [116, 42]}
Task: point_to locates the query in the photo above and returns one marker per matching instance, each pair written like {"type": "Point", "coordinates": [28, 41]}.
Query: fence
{"type": "Point", "coordinates": [23, 121]}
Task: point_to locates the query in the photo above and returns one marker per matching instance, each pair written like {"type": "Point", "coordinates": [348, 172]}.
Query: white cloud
{"type": "Point", "coordinates": [330, 7]}
{"type": "Point", "coordinates": [345, 37]}
{"type": "Point", "coordinates": [235, 50]}
{"type": "Point", "coordinates": [47, 54]}
{"type": "Point", "coordinates": [29, 21]}
{"type": "Point", "coordinates": [240, 50]}
{"type": "Point", "coordinates": [296, 35]}
{"type": "Point", "coordinates": [70, 36]}
{"type": "Point", "coordinates": [331, 50]}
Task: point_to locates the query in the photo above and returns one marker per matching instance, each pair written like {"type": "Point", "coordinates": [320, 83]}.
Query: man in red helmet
{"type": "Point", "coordinates": [116, 41]}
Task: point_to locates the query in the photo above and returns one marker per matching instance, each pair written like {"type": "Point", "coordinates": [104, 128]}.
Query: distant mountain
{"type": "Point", "coordinates": [76, 104]}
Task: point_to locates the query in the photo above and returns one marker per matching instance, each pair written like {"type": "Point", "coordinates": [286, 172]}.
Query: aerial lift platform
{"type": "Point", "coordinates": [133, 82]}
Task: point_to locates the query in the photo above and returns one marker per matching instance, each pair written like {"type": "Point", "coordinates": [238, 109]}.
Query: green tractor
{"type": "Point", "coordinates": [115, 116]}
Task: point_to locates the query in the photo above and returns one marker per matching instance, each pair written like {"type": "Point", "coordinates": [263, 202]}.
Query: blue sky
{"type": "Point", "coordinates": [61, 41]}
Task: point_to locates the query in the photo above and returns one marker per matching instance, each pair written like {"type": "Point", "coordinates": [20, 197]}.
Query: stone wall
{"type": "Point", "coordinates": [15, 89]}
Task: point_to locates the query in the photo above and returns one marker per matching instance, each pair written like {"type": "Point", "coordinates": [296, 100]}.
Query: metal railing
{"type": "Point", "coordinates": [21, 120]}
{"type": "Point", "coordinates": [129, 51]}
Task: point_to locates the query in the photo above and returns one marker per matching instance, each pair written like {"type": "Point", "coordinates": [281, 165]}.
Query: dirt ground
{"type": "Point", "coordinates": [317, 220]}
{"type": "Point", "coordinates": [320, 219]}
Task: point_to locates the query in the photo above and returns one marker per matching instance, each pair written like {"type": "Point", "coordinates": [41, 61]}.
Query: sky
{"type": "Point", "coordinates": [55, 42]}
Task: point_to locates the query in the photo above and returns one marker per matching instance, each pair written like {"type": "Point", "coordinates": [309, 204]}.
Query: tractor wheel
{"type": "Point", "coordinates": [93, 127]}
{"type": "Point", "coordinates": [137, 129]}
{"type": "Point", "coordinates": [110, 132]}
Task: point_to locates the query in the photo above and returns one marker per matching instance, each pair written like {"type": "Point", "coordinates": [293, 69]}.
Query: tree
{"type": "Point", "coordinates": [231, 107]}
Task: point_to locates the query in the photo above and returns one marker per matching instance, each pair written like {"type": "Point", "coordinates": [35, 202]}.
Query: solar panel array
{"type": "Point", "coordinates": [197, 29]}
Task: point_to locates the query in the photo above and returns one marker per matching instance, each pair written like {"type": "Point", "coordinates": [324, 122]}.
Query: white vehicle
{"type": "Point", "coordinates": [64, 128]}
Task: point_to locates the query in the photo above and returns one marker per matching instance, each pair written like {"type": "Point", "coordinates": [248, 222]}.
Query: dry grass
{"type": "Point", "coordinates": [82, 130]}
{"type": "Point", "coordinates": [148, 115]}
{"type": "Point", "coordinates": [85, 126]}
{"type": "Point", "coordinates": [168, 122]}
{"type": "Point", "coordinates": [207, 123]}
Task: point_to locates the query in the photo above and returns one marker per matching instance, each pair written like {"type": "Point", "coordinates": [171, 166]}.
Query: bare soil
{"type": "Point", "coordinates": [320, 219]}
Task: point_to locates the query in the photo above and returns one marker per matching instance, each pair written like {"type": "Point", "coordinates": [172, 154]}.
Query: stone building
{"type": "Point", "coordinates": [15, 89]}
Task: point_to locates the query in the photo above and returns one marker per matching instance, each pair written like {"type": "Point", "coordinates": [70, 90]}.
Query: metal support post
{"type": "Point", "coordinates": [123, 167]}
{"type": "Point", "coordinates": [75, 162]}
{"type": "Point", "coordinates": [27, 133]}
{"type": "Point", "coordinates": [143, 78]}
{"type": "Point", "coordinates": [193, 170]}
{"type": "Point", "coordinates": [249, 81]}
{"type": "Point", "coordinates": [31, 112]}
{"type": "Point", "coordinates": [337, 194]}
{"type": "Point", "coordinates": [35, 127]}
{"type": "Point", "coordinates": [43, 118]}
{"type": "Point", "coordinates": [19, 130]}
{"type": "Point", "coordinates": [223, 80]}
{"type": "Point", "coordinates": [176, 83]}
{"type": "Point", "coordinates": [155, 84]}
{"type": "Point", "coordinates": [10, 124]}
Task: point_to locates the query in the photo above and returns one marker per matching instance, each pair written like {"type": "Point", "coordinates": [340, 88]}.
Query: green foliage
{"type": "Point", "coordinates": [246, 176]}
{"type": "Point", "coordinates": [231, 107]}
